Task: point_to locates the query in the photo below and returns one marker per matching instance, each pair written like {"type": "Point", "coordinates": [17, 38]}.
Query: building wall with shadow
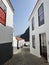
{"type": "Point", "coordinates": [6, 31]}
{"type": "Point", "coordinates": [6, 40]}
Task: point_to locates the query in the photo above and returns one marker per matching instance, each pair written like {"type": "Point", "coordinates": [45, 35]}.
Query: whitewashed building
{"type": "Point", "coordinates": [6, 30]}
{"type": "Point", "coordinates": [20, 42]}
{"type": "Point", "coordinates": [39, 29]}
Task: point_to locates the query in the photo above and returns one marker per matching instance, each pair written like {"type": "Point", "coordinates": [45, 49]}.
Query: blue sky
{"type": "Point", "coordinates": [23, 9]}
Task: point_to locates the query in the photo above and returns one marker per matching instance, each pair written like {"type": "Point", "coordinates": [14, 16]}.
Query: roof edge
{"type": "Point", "coordinates": [10, 4]}
{"type": "Point", "coordinates": [33, 10]}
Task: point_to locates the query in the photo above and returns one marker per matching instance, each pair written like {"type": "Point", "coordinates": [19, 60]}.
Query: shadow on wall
{"type": "Point", "coordinates": [6, 52]}
{"type": "Point", "coordinates": [6, 49]}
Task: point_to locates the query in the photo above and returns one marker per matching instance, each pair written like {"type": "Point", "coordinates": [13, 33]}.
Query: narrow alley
{"type": "Point", "coordinates": [23, 57]}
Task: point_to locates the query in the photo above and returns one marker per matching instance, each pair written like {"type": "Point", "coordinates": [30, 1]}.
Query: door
{"type": "Point", "coordinates": [43, 46]}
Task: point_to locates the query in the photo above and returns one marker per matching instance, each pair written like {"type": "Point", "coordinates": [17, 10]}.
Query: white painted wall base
{"type": "Point", "coordinates": [35, 53]}
{"type": "Point", "coordinates": [14, 50]}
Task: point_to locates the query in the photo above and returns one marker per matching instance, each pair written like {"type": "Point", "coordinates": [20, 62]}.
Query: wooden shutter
{"type": "Point", "coordinates": [2, 16]}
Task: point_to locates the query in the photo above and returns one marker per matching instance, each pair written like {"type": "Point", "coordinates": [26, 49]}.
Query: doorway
{"type": "Point", "coordinates": [43, 46]}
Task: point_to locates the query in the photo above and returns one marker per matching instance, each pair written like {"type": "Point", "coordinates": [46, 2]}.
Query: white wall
{"type": "Point", "coordinates": [6, 32]}
{"type": "Point", "coordinates": [42, 29]}
{"type": "Point", "coordinates": [21, 43]}
{"type": "Point", "coordinates": [14, 42]}
{"type": "Point", "coordinates": [46, 3]}
{"type": "Point", "coordinates": [35, 32]}
{"type": "Point", "coordinates": [9, 14]}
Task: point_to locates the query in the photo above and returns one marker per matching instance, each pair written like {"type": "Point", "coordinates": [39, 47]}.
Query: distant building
{"type": "Point", "coordinates": [39, 29]}
{"type": "Point", "coordinates": [17, 43]}
{"type": "Point", "coordinates": [20, 42]}
{"type": "Point", "coordinates": [6, 30]}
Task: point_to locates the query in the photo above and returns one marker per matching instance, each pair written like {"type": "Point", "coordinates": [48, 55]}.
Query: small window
{"type": "Point", "coordinates": [33, 41]}
{"type": "Point", "coordinates": [33, 23]}
{"type": "Point", "coordinates": [41, 15]}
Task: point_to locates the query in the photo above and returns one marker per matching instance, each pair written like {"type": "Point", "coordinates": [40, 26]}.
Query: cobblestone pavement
{"type": "Point", "coordinates": [25, 58]}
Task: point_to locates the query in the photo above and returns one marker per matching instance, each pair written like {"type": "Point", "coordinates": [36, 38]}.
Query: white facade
{"type": "Point", "coordinates": [17, 43]}
{"type": "Point", "coordinates": [39, 29]}
{"type": "Point", "coordinates": [14, 42]}
{"type": "Point", "coordinates": [20, 42]}
{"type": "Point", "coordinates": [6, 32]}
{"type": "Point", "coordinates": [14, 45]}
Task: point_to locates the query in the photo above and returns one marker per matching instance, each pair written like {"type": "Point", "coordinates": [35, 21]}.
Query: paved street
{"type": "Point", "coordinates": [23, 57]}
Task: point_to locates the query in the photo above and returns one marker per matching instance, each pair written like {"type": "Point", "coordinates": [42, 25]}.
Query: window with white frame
{"type": "Point", "coordinates": [41, 15]}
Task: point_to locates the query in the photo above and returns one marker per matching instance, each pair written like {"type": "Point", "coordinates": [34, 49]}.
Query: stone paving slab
{"type": "Point", "coordinates": [25, 58]}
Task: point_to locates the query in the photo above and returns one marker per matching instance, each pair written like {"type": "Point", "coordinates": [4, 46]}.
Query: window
{"type": "Point", "coordinates": [41, 15]}
{"type": "Point", "coordinates": [33, 41]}
{"type": "Point", "coordinates": [33, 23]}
